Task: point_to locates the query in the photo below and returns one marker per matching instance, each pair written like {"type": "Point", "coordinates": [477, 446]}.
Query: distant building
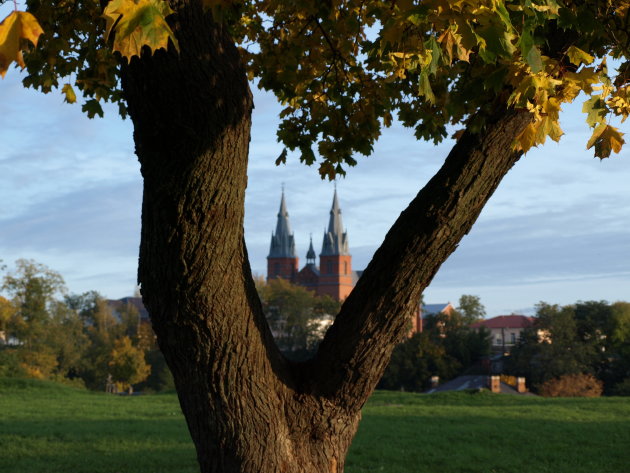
{"type": "Point", "coordinates": [424, 310]}
{"type": "Point", "coordinates": [333, 277]}
{"type": "Point", "coordinates": [116, 306]}
{"type": "Point", "coordinates": [505, 330]}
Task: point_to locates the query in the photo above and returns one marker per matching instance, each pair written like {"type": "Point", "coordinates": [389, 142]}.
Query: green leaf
{"type": "Point", "coordinates": [424, 87]}
{"type": "Point", "coordinates": [418, 15]}
{"type": "Point", "coordinates": [504, 15]}
{"type": "Point", "coordinates": [534, 59]}
{"type": "Point", "coordinates": [526, 42]}
{"type": "Point", "coordinates": [496, 80]}
{"type": "Point", "coordinates": [577, 56]}
{"type": "Point", "coordinates": [436, 53]}
{"type": "Point", "coordinates": [497, 40]}
{"type": "Point", "coordinates": [92, 108]}
{"type": "Point", "coordinates": [282, 159]}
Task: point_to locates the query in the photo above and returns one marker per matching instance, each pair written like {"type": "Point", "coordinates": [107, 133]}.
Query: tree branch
{"type": "Point", "coordinates": [356, 349]}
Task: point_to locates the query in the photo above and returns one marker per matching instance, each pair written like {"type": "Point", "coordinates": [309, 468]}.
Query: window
{"type": "Point", "coordinates": [329, 267]}
{"type": "Point", "coordinates": [513, 338]}
{"type": "Point", "coordinates": [345, 267]}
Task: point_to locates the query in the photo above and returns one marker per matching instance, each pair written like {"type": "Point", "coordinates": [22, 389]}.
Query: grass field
{"type": "Point", "coordinates": [49, 428]}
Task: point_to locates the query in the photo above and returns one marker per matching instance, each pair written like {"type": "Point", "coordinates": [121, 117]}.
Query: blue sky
{"type": "Point", "coordinates": [558, 228]}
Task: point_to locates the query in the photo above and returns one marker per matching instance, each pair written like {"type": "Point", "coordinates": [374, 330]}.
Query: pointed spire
{"type": "Point", "coordinates": [310, 254]}
{"type": "Point", "coordinates": [335, 239]}
{"type": "Point", "coordinates": [282, 242]}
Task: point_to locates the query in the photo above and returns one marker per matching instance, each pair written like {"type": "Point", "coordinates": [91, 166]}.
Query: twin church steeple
{"type": "Point", "coordinates": [334, 276]}
{"type": "Point", "coordinates": [282, 241]}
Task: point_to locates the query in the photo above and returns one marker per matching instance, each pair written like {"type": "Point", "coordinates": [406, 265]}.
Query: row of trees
{"type": "Point", "coordinates": [50, 334]}
{"type": "Point", "coordinates": [586, 338]}
{"type": "Point", "coordinates": [78, 339]}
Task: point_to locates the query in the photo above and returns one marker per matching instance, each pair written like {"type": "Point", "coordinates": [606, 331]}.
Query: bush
{"type": "Point", "coordinates": [622, 388]}
{"type": "Point", "coordinates": [572, 385]}
{"type": "Point", "coordinates": [10, 366]}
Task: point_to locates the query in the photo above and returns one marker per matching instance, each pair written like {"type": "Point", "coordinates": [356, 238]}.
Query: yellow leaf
{"type": "Point", "coordinates": [527, 138]}
{"type": "Point", "coordinates": [552, 108]}
{"type": "Point", "coordinates": [15, 28]}
{"type": "Point", "coordinates": [138, 23]}
{"type": "Point", "coordinates": [605, 138]}
{"type": "Point", "coordinates": [68, 91]}
{"type": "Point", "coordinates": [596, 133]}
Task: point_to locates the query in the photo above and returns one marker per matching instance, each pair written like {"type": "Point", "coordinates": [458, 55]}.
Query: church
{"type": "Point", "coordinates": [333, 277]}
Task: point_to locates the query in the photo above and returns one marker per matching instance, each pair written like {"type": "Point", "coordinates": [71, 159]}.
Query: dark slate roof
{"type": "Point", "coordinates": [428, 309]}
{"type": "Point", "coordinates": [505, 321]}
{"type": "Point", "coordinates": [282, 242]}
{"type": "Point", "coordinates": [310, 268]}
{"type": "Point", "coordinates": [116, 304]}
{"type": "Point", "coordinates": [335, 239]}
{"type": "Point", "coordinates": [310, 254]}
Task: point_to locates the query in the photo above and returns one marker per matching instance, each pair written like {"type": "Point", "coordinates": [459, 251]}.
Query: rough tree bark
{"type": "Point", "coordinates": [248, 409]}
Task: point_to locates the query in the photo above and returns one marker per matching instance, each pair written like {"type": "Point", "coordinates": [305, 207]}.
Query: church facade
{"type": "Point", "coordinates": [333, 277]}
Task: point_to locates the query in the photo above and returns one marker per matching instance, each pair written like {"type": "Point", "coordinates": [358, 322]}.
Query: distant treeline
{"type": "Point", "coordinates": [591, 339]}
{"type": "Point", "coordinates": [582, 349]}
{"type": "Point", "coordinates": [74, 338]}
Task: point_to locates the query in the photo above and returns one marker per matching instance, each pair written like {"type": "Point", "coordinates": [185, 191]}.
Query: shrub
{"type": "Point", "coordinates": [622, 388]}
{"type": "Point", "coordinates": [572, 385]}
{"type": "Point", "coordinates": [10, 363]}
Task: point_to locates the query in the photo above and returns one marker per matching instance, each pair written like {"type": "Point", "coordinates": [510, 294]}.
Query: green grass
{"type": "Point", "coordinates": [48, 428]}
{"type": "Point", "coordinates": [489, 433]}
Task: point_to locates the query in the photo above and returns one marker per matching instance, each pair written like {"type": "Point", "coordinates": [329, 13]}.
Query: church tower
{"type": "Point", "coordinates": [282, 261]}
{"type": "Point", "coordinates": [335, 261]}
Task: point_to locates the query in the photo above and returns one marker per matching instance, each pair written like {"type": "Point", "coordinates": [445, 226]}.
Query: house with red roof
{"type": "Point", "coordinates": [505, 329]}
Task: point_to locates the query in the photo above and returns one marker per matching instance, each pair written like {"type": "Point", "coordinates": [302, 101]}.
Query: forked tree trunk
{"type": "Point", "coordinates": [249, 409]}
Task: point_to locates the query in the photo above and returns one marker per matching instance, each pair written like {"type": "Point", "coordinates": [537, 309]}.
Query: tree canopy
{"type": "Point", "coordinates": [344, 69]}
{"type": "Point", "coordinates": [588, 337]}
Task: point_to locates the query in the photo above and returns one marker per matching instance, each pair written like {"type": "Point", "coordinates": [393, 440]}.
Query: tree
{"type": "Point", "coordinates": [471, 309]}
{"type": "Point", "coordinates": [500, 69]}
{"type": "Point", "coordinates": [415, 360]}
{"type": "Point", "coordinates": [66, 339]}
{"type": "Point", "coordinates": [33, 287]}
{"type": "Point", "coordinates": [103, 332]}
{"type": "Point", "coordinates": [297, 317]}
{"type": "Point", "coordinates": [127, 364]}
{"type": "Point", "coordinates": [6, 313]}
{"type": "Point", "coordinates": [562, 353]}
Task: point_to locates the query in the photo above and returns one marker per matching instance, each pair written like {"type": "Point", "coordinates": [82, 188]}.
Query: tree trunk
{"type": "Point", "coordinates": [248, 409]}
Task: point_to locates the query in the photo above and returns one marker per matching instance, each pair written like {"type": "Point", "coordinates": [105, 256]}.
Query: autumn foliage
{"type": "Point", "coordinates": [344, 69]}
{"type": "Point", "coordinates": [15, 30]}
{"type": "Point", "coordinates": [572, 385]}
